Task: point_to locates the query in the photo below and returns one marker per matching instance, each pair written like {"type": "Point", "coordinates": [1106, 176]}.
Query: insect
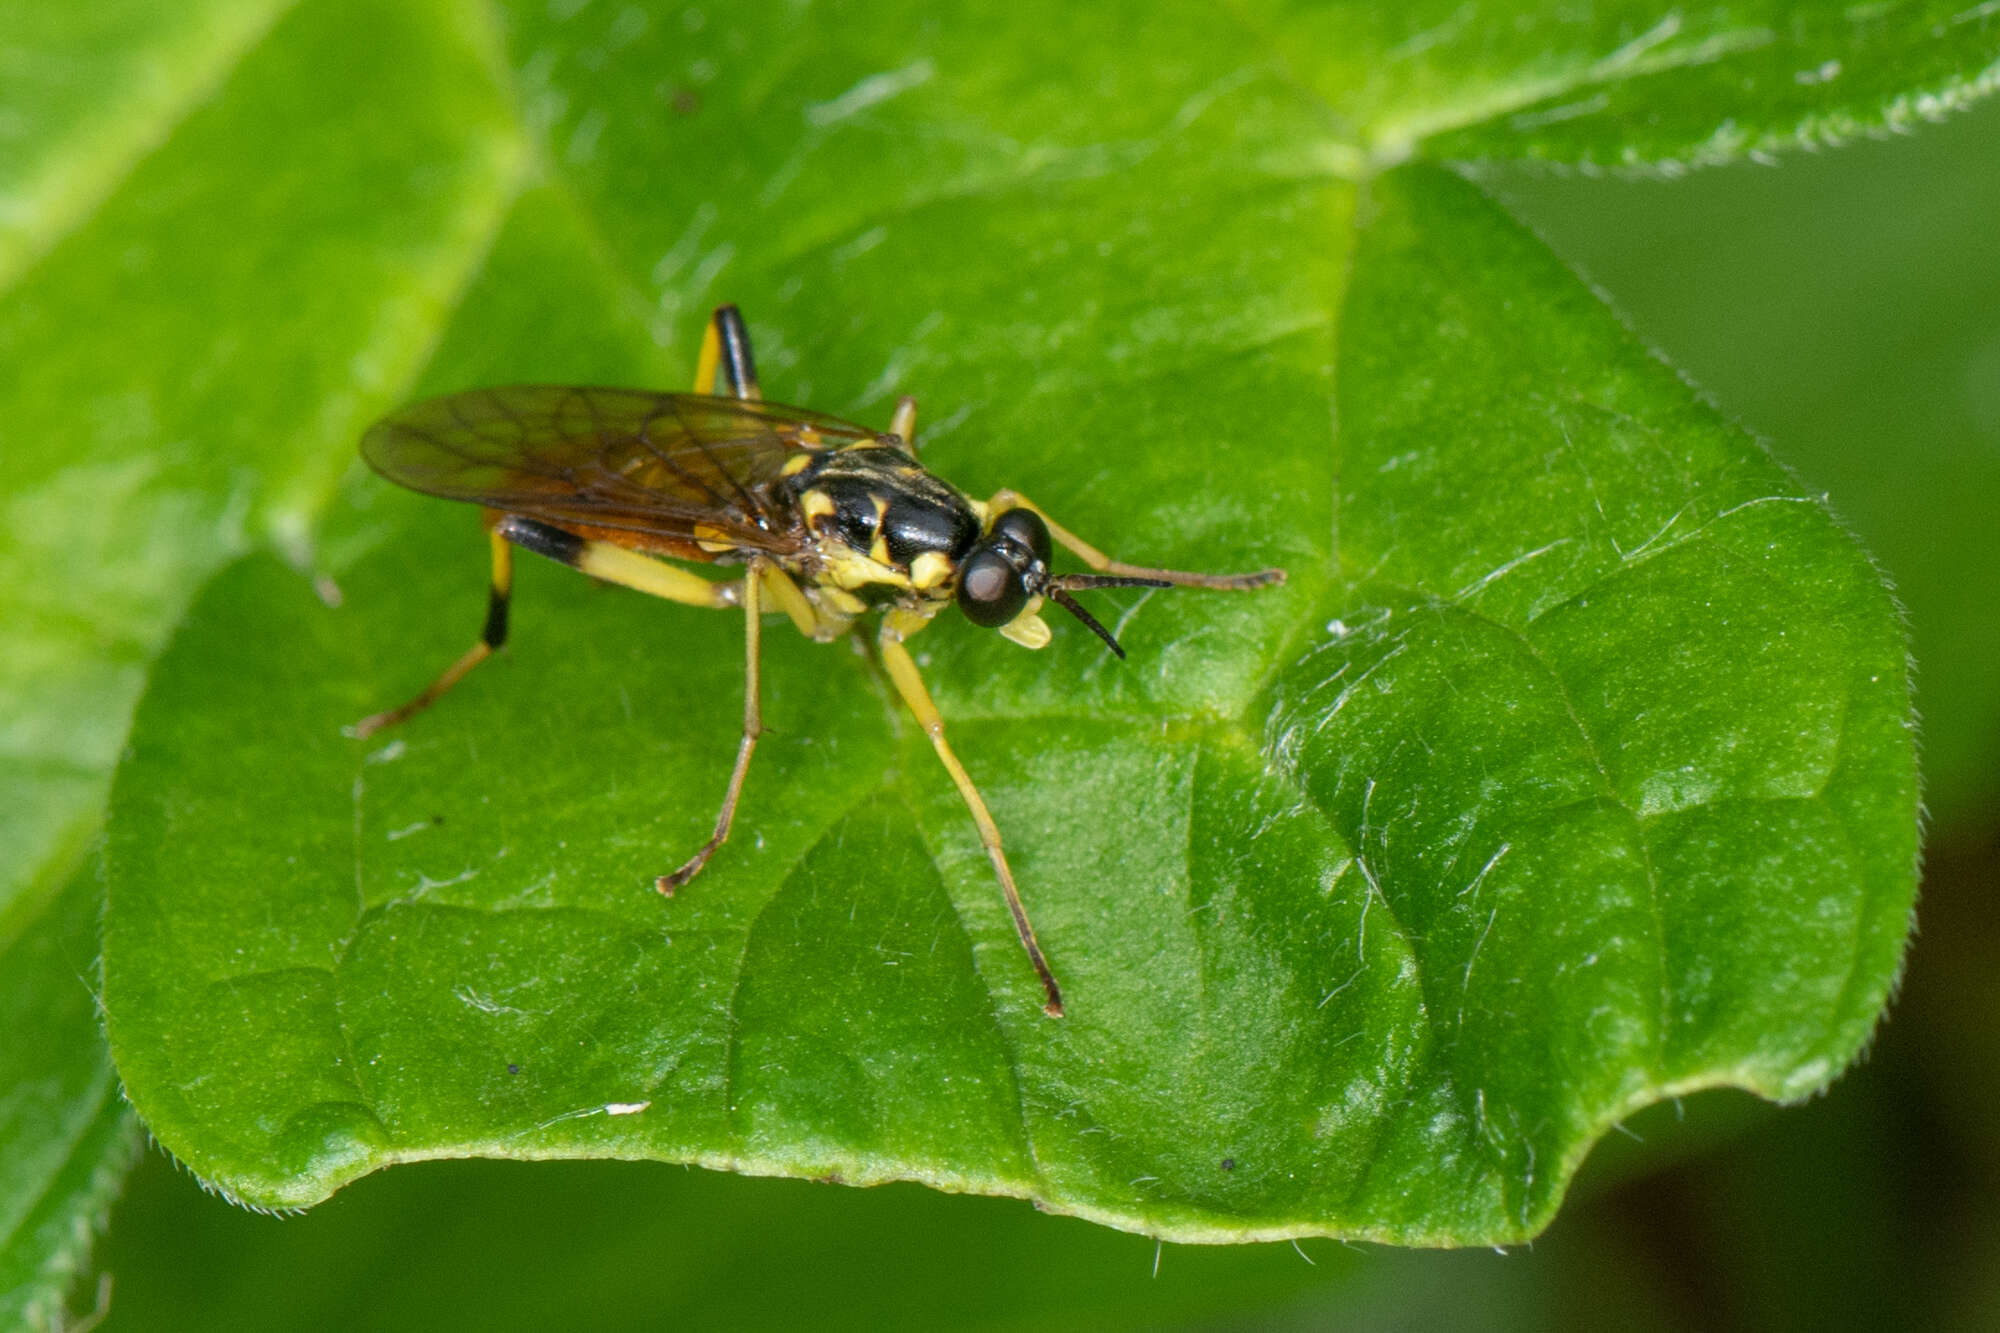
{"type": "Point", "coordinates": [828, 521]}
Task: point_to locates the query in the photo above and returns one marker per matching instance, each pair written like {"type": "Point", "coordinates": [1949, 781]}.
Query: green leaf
{"type": "Point", "coordinates": [211, 274]}
{"type": "Point", "coordinates": [215, 389]}
{"type": "Point", "coordinates": [66, 1136]}
{"type": "Point", "coordinates": [1640, 87]}
{"type": "Point", "coordinates": [93, 87]}
{"type": "Point", "coordinates": [1607, 653]}
{"type": "Point", "coordinates": [1857, 331]}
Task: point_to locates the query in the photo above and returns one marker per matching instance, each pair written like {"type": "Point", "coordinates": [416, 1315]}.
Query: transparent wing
{"type": "Point", "coordinates": [654, 464]}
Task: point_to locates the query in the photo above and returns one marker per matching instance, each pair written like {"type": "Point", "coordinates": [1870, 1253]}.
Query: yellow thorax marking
{"type": "Point", "coordinates": [929, 570]}
{"type": "Point", "coordinates": [712, 539]}
{"type": "Point", "coordinates": [879, 552]}
{"type": "Point", "coordinates": [816, 504]}
{"type": "Point", "coordinates": [843, 567]}
{"type": "Point", "coordinates": [796, 464]}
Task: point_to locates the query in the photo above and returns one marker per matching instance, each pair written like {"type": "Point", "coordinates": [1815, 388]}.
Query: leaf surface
{"type": "Point", "coordinates": [1571, 769]}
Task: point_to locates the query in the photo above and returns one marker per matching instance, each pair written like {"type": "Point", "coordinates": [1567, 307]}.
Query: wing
{"type": "Point", "coordinates": [654, 465]}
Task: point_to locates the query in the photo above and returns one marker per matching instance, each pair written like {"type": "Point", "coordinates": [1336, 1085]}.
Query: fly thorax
{"type": "Point", "coordinates": [882, 527]}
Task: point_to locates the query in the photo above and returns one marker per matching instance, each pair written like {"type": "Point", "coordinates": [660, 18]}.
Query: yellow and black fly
{"type": "Point", "coordinates": [831, 521]}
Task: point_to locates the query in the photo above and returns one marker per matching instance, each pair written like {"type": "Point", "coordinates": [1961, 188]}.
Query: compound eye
{"type": "Point", "coordinates": [990, 590]}
{"type": "Point", "coordinates": [1023, 527]}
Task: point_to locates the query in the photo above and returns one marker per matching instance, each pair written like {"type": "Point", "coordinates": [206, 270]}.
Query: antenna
{"type": "Point", "coordinates": [1058, 593]}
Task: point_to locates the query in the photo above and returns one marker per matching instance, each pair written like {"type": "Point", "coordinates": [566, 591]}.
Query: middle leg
{"type": "Point", "coordinates": [753, 727]}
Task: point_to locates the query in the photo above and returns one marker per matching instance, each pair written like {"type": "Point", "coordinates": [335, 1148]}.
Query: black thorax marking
{"type": "Point", "coordinates": [877, 501]}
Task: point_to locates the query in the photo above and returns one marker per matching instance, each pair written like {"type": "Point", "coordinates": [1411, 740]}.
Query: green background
{"type": "Point", "coordinates": [1840, 306]}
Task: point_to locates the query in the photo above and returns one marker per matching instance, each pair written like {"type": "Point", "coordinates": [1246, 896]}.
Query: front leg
{"type": "Point", "coordinates": [903, 671]}
{"type": "Point", "coordinates": [1002, 501]}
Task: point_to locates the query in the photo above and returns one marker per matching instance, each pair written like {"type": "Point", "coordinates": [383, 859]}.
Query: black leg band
{"type": "Point", "coordinates": [737, 364]}
{"type": "Point", "coordinates": [542, 539]}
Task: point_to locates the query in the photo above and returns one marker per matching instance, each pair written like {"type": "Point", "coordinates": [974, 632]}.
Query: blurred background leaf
{"type": "Point", "coordinates": [67, 1136]}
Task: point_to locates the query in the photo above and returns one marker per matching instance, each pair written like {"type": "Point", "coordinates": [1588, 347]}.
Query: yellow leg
{"type": "Point", "coordinates": [904, 424]}
{"type": "Point", "coordinates": [903, 671]}
{"type": "Point", "coordinates": [753, 727]}
{"type": "Point", "coordinates": [491, 637]}
{"type": "Point", "coordinates": [761, 577]}
{"type": "Point", "coordinates": [1104, 564]}
{"type": "Point", "coordinates": [711, 356]}
{"type": "Point", "coordinates": [614, 564]}
{"type": "Point", "coordinates": [813, 622]}
{"type": "Point", "coordinates": [629, 569]}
